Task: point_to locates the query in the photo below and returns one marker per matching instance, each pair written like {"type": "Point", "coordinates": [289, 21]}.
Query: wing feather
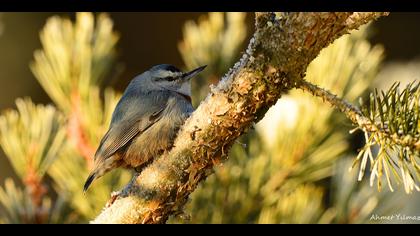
{"type": "Point", "coordinates": [131, 118]}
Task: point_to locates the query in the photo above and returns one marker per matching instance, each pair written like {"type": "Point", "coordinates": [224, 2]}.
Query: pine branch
{"type": "Point", "coordinates": [76, 132]}
{"type": "Point", "coordinates": [74, 63]}
{"type": "Point", "coordinates": [276, 59]}
{"type": "Point", "coordinates": [16, 206]}
{"type": "Point", "coordinates": [32, 138]}
{"type": "Point", "coordinates": [360, 18]}
{"type": "Point", "coordinates": [44, 140]}
{"type": "Point", "coordinates": [74, 57]}
{"type": "Point", "coordinates": [69, 81]}
{"type": "Point", "coordinates": [352, 112]}
{"type": "Point", "coordinates": [362, 120]}
{"type": "Point", "coordinates": [392, 122]}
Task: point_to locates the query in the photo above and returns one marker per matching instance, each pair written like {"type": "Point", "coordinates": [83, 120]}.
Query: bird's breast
{"type": "Point", "coordinates": [160, 136]}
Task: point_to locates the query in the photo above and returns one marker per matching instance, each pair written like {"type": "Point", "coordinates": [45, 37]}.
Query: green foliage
{"type": "Point", "coordinates": [75, 62]}
{"type": "Point", "coordinates": [69, 173]}
{"type": "Point", "coordinates": [75, 57]}
{"type": "Point", "coordinates": [396, 115]}
{"type": "Point", "coordinates": [215, 41]}
{"type": "Point", "coordinates": [32, 137]}
{"type": "Point", "coordinates": [354, 202]}
{"type": "Point", "coordinates": [18, 207]}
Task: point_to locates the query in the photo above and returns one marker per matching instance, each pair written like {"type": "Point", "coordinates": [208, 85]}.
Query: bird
{"type": "Point", "coordinates": [145, 120]}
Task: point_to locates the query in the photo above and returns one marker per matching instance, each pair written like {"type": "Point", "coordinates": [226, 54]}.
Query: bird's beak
{"type": "Point", "coordinates": [191, 74]}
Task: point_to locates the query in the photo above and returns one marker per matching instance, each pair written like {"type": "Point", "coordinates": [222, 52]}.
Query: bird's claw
{"type": "Point", "coordinates": [114, 196]}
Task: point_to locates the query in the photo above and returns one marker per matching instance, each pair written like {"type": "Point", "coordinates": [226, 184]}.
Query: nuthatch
{"type": "Point", "coordinates": [145, 121]}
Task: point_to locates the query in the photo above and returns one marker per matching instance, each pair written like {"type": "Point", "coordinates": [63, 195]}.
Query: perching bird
{"type": "Point", "coordinates": [145, 121]}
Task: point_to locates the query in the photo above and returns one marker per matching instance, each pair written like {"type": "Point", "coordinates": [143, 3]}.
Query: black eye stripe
{"type": "Point", "coordinates": [172, 68]}
{"type": "Point", "coordinates": [170, 78]}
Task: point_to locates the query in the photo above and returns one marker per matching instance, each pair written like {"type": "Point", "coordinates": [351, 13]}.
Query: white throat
{"type": "Point", "coordinates": [185, 89]}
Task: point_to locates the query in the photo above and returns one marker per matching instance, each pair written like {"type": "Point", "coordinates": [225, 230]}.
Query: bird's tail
{"type": "Point", "coordinates": [89, 181]}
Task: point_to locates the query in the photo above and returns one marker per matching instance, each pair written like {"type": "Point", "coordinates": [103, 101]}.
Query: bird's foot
{"type": "Point", "coordinates": [114, 196]}
{"type": "Point", "coordinates": [138, 169]}
{"type": "Point", "coordinates": [123, 192]}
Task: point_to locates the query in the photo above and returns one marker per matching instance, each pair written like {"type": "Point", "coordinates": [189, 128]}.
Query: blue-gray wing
{"type": "Point", "coordinates": [133, 115]}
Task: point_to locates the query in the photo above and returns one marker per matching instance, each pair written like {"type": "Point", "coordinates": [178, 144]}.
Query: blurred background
{"type": "Point", "coordinates": [147, 39]}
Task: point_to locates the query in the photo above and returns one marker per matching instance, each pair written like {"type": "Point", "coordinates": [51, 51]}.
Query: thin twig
{"type": "Point", "coordinates": [76, 132]}
{"type": "Point", "coordinates": [353, 113]}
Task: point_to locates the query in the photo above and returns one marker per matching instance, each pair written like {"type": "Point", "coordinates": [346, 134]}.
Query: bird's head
{"type": "Point", "coordinates": [169, 77]}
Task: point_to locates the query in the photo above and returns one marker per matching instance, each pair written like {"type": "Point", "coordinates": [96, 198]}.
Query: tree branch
{"type": "Point", "coordinates": [276, 59]}
{"type": "Point", "coordinates": [356, 116]}
{"type": "Point", "coordinates": [352, 112]}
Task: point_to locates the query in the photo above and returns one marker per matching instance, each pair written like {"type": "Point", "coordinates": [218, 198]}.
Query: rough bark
{"type": "Point", "coordinates": [276, 59]}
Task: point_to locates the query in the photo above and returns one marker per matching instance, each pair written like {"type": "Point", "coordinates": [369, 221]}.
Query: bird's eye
{"type": "Point", "coordinates": [170, 78]}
